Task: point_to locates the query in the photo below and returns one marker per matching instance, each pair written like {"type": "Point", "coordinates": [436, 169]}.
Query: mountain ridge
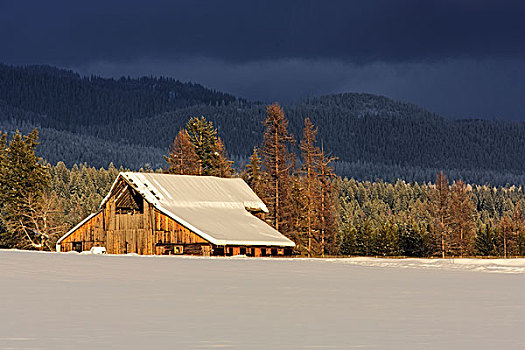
{"type": "Point", "coordinates": [144, 114]}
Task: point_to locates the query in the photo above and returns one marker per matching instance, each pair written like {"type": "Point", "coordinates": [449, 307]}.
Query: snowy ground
{"type": "Point", "coordinates": [71, 301]}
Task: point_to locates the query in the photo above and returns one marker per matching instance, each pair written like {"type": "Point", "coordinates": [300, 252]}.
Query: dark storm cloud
{"type": "Point", "coordinates": [473, 88]}
{"type": "Point", "coordinates": [462, 58]}
{"type": "Point", "coordinates": [240, 31]}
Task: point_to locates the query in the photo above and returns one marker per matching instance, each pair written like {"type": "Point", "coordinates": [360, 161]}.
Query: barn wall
{"type": "Point", "coordinates": [143, 233]}
{"type": "Point", "coordinates": [129, 232]}
{"type": "Point", "coordinates": [91, 233]}
{"type": "Point", "coordinates": [148, 232]}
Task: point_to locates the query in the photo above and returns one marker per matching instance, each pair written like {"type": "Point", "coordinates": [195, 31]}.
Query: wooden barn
{"type": "Point", "coordinates": [162, 214]}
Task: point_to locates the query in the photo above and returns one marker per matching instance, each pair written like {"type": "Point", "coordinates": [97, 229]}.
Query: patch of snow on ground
{"type": "Point", "coordinates": [74, 301]}
{"type": "Point", "coordinates": [483, 265]}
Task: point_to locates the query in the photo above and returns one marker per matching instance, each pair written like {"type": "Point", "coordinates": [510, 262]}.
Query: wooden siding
{"type": "Point", "coordinates": [124, 226]}
{"type": "Point", "coordinates": [140, 232]}
{"type": "Point", "coordinates": [91, 234]}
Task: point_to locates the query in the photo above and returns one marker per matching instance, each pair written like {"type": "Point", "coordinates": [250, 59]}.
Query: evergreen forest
{"type": "Point", "coordinates": [341, 175]}
{"type": "Point", "coordinates": [131, 122]}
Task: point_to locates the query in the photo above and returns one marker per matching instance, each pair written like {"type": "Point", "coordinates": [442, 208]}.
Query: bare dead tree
{"type": "Point", "coordinates": [39, 224]}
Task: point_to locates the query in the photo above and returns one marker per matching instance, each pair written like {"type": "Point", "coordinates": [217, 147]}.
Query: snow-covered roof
{"type": "Point", "coordinates": [216, 209]}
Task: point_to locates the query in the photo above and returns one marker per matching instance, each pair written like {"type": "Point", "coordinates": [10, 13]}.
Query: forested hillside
{"type": "Point", "coordinates": [322, 213]}
{"type": "Point", "coordinates": [63, 99]}
{"type": "Point", "coordinates": [131, 122]}
{"type": "Point", "coordinates": [74, 148]}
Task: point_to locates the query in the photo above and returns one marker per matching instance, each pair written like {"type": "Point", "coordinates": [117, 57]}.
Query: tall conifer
{"type": "Point", "coordinates": [440, 211]}
{"type": "Point", "coordinates": [327, 203]}
{"type": "Point", "coordinates": [211, 153]}
{"type": "Point", "coordinates": [462, 219]}
{"type": "Point", "coordinates": [253, 173]}
{"type": "Point", "coordinates": [221, 165]}
{"type": "Point", "coordinates": [310, 155]}
{"type": "Point", "coordinates": [23, 181]}
{"type": "Point", "coordinates": [182, 159]}
{"type": "Point", "coordinates": [203, 136]}
{"type": "Point", "coordinates": [277, 164]}
{"type": "Point", "coordinates": [506, 235]}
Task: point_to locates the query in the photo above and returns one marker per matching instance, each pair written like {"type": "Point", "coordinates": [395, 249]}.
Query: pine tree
{"type": "Point", "coordinates": [277, 165]}
{"type": "Point", "coordinates": [23, 182]}
{"type": "Point", "coordinates": [221, 165]}
{"type": "Point", "coordinates": [182, 159]}
{"type": "Point", "coordinates": [485, 241]}
{"type": "Point", "coordinates": [211, 153]}
{"type": "Point", "coordinates": [4, 235]}
{"type": "Point", "coordinates": [310, 154]}
{"type": "Point", "coordinates": [440, 210]}
{"type": "Point", "coordinates": [506, 235]}
{"type": "Point", "coordinates": [327, 204]}
{"type": "Point", "coordinates": [518, 223]}
{"type": "Point", "coordinates": [203, 136]}
{"type": "Point", "coordinates": [6, 239]}
{"type": "Point", "coordinates": [410, 240]}
{"type": "Point", "coordinates": [297, 222]}
{"type": "Point", "coordinates": [461, 218]}
{"type": "Point", "coordinates": [253, 175]}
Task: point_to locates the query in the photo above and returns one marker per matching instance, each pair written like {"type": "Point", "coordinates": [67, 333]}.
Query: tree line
{"type": "Point", "coordinates": [40, 202]}
{"type": "Point", "coordinates": [320, 211]}
{"type": "Point", "coordinates": [300, 199]}
{"type": "Point", "coordinates": [439, 219]}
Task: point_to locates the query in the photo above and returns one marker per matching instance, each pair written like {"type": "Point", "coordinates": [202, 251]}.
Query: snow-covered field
{"type": "Point", "coordinates": [71, 301]}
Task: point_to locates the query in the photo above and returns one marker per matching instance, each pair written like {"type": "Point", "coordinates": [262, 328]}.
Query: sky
{"type": "Point", "coordinates": [460, 58]}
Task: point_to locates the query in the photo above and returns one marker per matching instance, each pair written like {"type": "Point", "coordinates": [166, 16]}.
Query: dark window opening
{"type": "Point", "coordinates": [274, 251]}
{"type": "Point", "coordinates": [229, 251]}
{"type": "Point", "coordinates": [263, 251]}
{"type": "Point", "coordinates": [129, 202]}
{"type": "Point", "coordinates": [243, 251]}
{"type": "Point", "coordinates": [219, 251]}
{"type": "Point", "coordinates": [77, 246]}
{"type": "Point", "coordinates": [169, 249]}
